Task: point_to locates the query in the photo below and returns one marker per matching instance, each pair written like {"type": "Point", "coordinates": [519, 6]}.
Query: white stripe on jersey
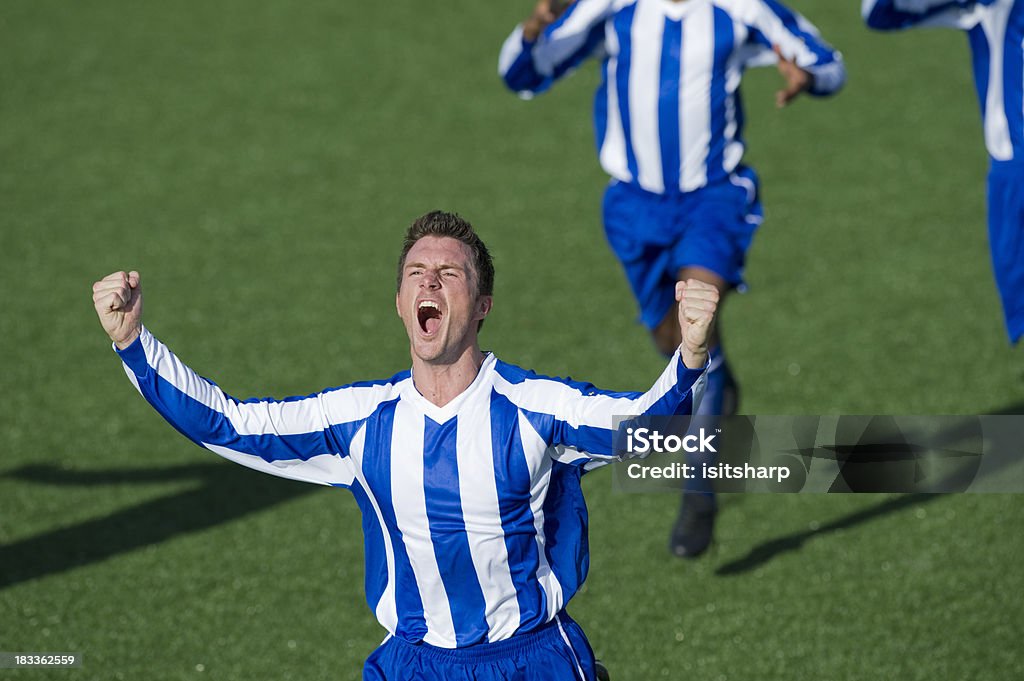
{"type": "Point", "coordinates": [644, 90]}
{"type": "Point", "coordinates": [410, 505]}
{"type": "Point", "coordinates": [322, 469]}
{"type": "Point", "coordinates": [481, 512]}
{"type": "Point", "coordinates": [613, 147]}
{"type": "Point", "coordinates": [997, 128]}
{"type": "Point", "coordinates": [252, 418]}
{"type": "Point", "coordinates": [698, 50]}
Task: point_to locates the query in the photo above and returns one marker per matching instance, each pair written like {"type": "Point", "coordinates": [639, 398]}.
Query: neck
{"type": "Point", "coordinates": [442, 381]}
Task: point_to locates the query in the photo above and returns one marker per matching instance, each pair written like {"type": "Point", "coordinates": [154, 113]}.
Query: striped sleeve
{"type": "Point", "coordinates": [891, 15]}
{"type": "Point", "coordinates": [578, 421]}
{"type": "Point", "coordinates": [772, 24]}
{"type": "Point", "coordinates": [530, 68]}
{"type": "Point", "coordinates": [289, 438]}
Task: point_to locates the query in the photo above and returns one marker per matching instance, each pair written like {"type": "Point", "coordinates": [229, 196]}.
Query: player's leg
{"type": "Point", "coordinates": [1006, 241]}
{"type": "Point", "coordinates": [720, 223]}
{"type": "Point", "coordinates": [694, 527]}
{"type": "Point", "coordinates": [639, 227]}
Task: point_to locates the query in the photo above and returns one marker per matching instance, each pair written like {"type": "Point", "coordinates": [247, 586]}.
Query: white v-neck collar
{"type": "Point", "coordinates": [677, 10]}
{"type": "Point", "coordinates": [440, 415]}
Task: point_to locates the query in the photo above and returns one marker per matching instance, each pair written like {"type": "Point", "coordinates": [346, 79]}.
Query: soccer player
{"type": "Point", "coordinates": [466, 469]}
{"type": "Point", "coordinates": [669, 128]}
{"type": "Point", "coordinates": [995, 31]}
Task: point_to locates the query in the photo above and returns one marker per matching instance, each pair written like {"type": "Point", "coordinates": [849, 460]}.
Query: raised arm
{"type": "Point", "coordinates": [553, 40]}
{"type": "Point", "coordinates": [892, 15]}
{"type": "Point", "coordinates": [290, 438]}
{"type": "Point", "coordinates": [578, 421]}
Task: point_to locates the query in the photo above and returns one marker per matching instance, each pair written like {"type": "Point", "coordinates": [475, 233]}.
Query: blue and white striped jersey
{"type": "Point", "coordinates": [474, 522]}
{"type": "Point", "coordinates": [995, 30]}
{"type": "Point", "coordinates": [668, 115]}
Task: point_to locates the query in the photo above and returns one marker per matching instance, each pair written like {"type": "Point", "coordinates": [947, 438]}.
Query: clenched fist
{"type": "Point", "coordinates": [698, 302]}
{"type": "Point", "coordinates": [118, 301]}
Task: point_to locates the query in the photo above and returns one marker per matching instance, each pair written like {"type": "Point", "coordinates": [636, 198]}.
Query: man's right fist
{"type": "Point", "coordinates": [118, 301]}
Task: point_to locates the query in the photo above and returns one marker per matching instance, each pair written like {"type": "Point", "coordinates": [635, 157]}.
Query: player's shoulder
{"type": "Point", "coordinates": [517, 375]}
{"type": "Point", "coordinates": [375, 385]}
{"type": "Point", "coordinates": [367, 393]}
{"type": "Point", "coordinates": [522, 381]}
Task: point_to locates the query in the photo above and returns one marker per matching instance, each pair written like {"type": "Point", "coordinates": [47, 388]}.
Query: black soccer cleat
{"type": "Point", "coordinates": [602, 671]}
{"type": "Point", "coordinates": [691, 536]}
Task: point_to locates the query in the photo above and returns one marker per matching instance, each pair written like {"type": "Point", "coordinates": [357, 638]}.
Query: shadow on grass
{"type": "Point", "coordinates": [766, 551]}
{"type": "Point", "coordinates": [223, 493]}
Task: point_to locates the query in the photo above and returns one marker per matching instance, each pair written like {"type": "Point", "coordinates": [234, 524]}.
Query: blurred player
{"type": "Point", "coordinates": [995, 31]}
{"type": "Point", "coordinates": [466, 469]}
{"type": "Point", "coordinates": [669, 126]}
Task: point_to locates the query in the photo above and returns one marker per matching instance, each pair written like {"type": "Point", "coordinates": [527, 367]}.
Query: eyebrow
{"type": "Point", "coordinates": [445, 266]}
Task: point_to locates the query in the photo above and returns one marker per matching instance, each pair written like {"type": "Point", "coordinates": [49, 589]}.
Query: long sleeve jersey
{"type": "Point", "coordinates": [995, 31]}
{"type": "Point", "coordinates": [474, 522]}
{"type": "Point", "coordinates": [667, 114]}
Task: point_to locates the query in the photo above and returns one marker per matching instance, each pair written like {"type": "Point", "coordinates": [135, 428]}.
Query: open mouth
{"type": "Point", "coordinates": [428, 314]}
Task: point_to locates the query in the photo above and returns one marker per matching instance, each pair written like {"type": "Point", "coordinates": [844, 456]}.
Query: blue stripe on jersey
{"type": "Point", "coordinates": [1013, 77]}
{"type": "Point", "coordinates": [448, 532]}
{"type": "Point", "coordinates": [623, 21]}
{"type": "Point", "coordinates": [669, 123]}
{"type": "Point", "coordinates": [375, 559]}
{"type": "Point", "coordinates": [522, 75]}
{"type": "Point", "coordinates": [757, 38]}
{"type": "Point", "coordinates": [216, 429]}
{"type": "Point", "coordinates": [980, 51]}
{"type": "Point", "coordinates": [812, 42]}
{"type": "Point", "coordinates": [565, 528]}
{"type": "Point", "coordinates": [412, 626]}
{"type": "Point", "coordinates": [886, 16]}
{"type": "Point", "coordinates": [585, 438]}
{"type": "Point", "coordinates": [512, 478]}
{"type": "Point", "coordinates": [670, 402]}
{"type": "Point", "coordinates": [724, 39]}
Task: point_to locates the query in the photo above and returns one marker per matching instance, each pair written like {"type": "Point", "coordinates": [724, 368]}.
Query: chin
{"type": "Point", "coordinates": [428, 350]}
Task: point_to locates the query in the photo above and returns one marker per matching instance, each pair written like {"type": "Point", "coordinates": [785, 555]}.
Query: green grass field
{"type": "Point", "coordinates": [257, 162]}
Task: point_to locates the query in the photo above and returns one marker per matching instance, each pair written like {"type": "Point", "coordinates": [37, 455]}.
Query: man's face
{"type": "Point", "coordinates": [438, 300]}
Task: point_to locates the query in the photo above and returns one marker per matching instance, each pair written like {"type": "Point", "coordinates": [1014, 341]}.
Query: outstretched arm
{"type": "Point", "coordinates": [891, 15]}
{"type": "Point", "coordinates": [578, 421]}
{"type": "Point", "coordinates": [553, 40]}
{"type": "Point", "coordinates": [290, 438]}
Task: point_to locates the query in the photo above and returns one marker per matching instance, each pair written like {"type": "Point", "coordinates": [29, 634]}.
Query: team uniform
{"type": "Point", "coordinates": [995, 32]}
{"type": "Point", "coordinates": [669, 129]}
{"type": "Point", "coordinates": [474, 522]}
{"type": "Point", "coordinates": [669, 122]}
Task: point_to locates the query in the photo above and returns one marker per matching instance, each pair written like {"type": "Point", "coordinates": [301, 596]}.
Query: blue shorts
{"type": "Point", "coordinates": [557, 651]}
{"type": "Point", "coordinates": [1006, 239]}
{"type": "Point", "coordinates": [656, 235]}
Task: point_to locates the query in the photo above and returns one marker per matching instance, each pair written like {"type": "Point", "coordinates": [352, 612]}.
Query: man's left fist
{"type": "Point", "coordinates": [698, 302]}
